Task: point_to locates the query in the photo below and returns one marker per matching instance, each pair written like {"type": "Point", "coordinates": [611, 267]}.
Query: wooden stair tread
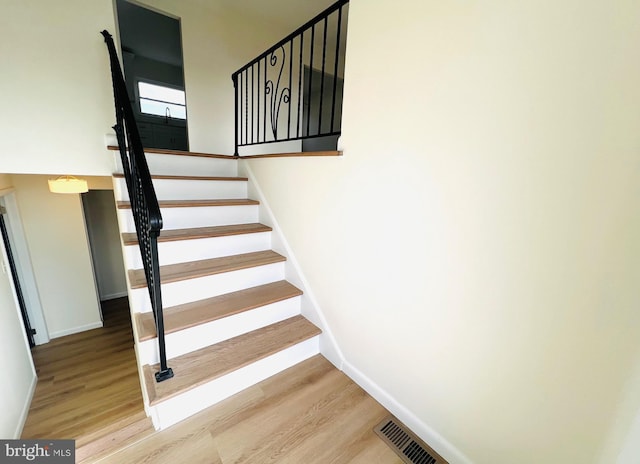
{"type": "Point", "coordinates": [199, 312]}
{"type": "Point", "coordinates": [169, 235]}
{"type": "Point", "coordinates": [205, 267]}
{"type": "Point", "coordinates": [189, 203]}
{"type": "Point", "coordinates": [199, 367]}
{"type": "Point", "coordinates": [113, 437]}
{"type": "Point", "coordinates": [118, 175]}
{"type": "Point", "coordinates": [162, 151]}
{"type": "Point", "coordinates": [304, 154]}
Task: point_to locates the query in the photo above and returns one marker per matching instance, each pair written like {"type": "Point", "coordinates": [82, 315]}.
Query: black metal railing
{"type": "Point", "coordinates": [293, 91]}
{"type": "Point", "coordinates": [144, 204]}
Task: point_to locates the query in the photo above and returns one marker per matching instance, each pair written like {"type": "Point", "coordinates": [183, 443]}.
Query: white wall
{"type": "Point", "coordinates": [476, 249]}
{"type": "Point", "coordinates": [20, 379]}
{"type": "Point", "coordinates": [55, 231]}
{"type": "Point", "coordinates": [104, 240]}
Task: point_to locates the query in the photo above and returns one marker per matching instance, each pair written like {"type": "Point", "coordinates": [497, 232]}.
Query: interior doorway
{"type": "Point", "coordinates": [154, 72]}
{"type": "Point", "coordinates": [104, 243]}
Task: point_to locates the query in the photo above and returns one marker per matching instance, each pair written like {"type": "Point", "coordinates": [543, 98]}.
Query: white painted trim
{"type": "Point", "coordinates": [112, 296]}
{"type": "Point", "coordinates": [26, 275]}
{"type": "Point", "coordinates": [27, 405]}
{"type": "Point", "coordinates": [73, 330]}
{"type": "Point", "coordinates": [328, 344]}
{"type": "Point", "coordinates": [423, 430]}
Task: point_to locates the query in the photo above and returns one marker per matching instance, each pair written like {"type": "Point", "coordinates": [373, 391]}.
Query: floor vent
{"type": "Point", "coordinates": [405, 443]}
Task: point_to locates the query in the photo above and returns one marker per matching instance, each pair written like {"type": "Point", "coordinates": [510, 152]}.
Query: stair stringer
{"type": "Point", "coordinates": [310, 308]}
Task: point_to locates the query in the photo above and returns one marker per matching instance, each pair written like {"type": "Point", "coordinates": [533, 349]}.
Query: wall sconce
{"type": "Point", "coordinates": [68, 184]}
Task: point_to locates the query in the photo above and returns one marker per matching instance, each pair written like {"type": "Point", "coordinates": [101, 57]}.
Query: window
{"type": "Point", "coordinates": [162, 101]}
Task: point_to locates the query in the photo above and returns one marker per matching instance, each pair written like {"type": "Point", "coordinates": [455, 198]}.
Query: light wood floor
{"type": "Point", "coordinates": [311, 413]}
{"type": "Point", "coordinates": [87, 380]}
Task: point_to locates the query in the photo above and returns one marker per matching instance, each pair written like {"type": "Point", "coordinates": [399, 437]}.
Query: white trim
{"type": "Point", "coordinates": [73, 330]}
{"type": "Point", "coordinates": [113, 296]}
{"type": "Point", "coordinates": [26, 407]}
{"type": "Point", "coordinates": [423, 430]}
{"type": "Point", "coordinates": [328, 344]}
{"type": "Point", "coordinates": [26, 275]}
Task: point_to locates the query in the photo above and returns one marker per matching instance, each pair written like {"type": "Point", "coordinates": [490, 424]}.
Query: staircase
{"type": "Point", "coordinates": [231, 318]}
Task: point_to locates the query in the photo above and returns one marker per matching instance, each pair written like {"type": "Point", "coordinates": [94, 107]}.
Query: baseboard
{"type": "Point", "coordinates": [428, 434]}
{"type": "Point", "coordinates": [25, 408]}
{"type": "Point", "coordinates": [113, 296]}
{"type": "Point", "coordinates": [328, 344]}
{"type": "Point", "coordinates": [82, 328]}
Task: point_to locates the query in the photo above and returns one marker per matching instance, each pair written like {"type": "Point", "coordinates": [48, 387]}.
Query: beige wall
{"type": "Point", "coordinates": [476, 249]}
{"type": "Point", "coordinates": [56, 81]}
{"type": "Point", "coordinates": [55, 232]}
{"type": "Point", "coordinates": [5, 181]}
{"type": "Point", "coordinates": [216, 41]}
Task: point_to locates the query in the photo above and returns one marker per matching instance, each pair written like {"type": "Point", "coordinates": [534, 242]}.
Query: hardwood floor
{"type": "Point", "coordinates": [310, 413]}
{"type": "Point", "coordinates": [87, 380]}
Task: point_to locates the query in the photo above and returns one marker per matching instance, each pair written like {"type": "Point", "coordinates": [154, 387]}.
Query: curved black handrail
{"type": "Point", "coordinates": [144, 203]}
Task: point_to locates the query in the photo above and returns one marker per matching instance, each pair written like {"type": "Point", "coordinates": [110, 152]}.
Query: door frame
{"type": "Point", "coordinates": [24, 269]}
{"type": "Point", "coordinates": [12, 271]}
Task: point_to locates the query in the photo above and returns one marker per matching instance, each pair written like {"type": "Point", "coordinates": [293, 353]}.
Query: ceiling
{"type": "Point", "coordinates": [155, 36]}
{"type": "Point", "coordinates": [289, 14]}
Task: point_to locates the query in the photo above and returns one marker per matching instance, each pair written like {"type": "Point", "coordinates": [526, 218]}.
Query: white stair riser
{"type": "Point", "coordinates": [181, 251]}
{"type": "Point", "coordinates": [173, 410]}
{"type": "Point", "coordinates": [185, 291]}
{"type": "Point", "coordinates": [195, 338]}
{"type": "Point", "coordinates": [201, 216]}
{"type": "Point", "coordinates": [186, 165]}
{"type": "Point", "coordinates": [175, 189]}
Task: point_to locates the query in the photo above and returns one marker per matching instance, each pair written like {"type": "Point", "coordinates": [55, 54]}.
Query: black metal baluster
{"type": "Point", "coordinates": [324, 58]}
{"type": "Point", "coordinates": [264, 88]}
{"type": "Point", "coordinates": [165, 372]}
{"type": "Point", "coordinates": [313, 46]}
{"type": "Point", "coordinates": [246, 105]}
{"type": "Point", "coordinates": [299, 115]}
{"type": "Point", "coordinates": [241, 109]}
{"type": "Point", "coordinates": [290, 73]}
{"type": "Point", "coordinates": [258, 110]}
{"type": "Point", "coordinates": [234, 78]}
{"type": "Point", "coordinates": [252, 94]}
{"type": "Point", "coordinates": [335, 70]}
